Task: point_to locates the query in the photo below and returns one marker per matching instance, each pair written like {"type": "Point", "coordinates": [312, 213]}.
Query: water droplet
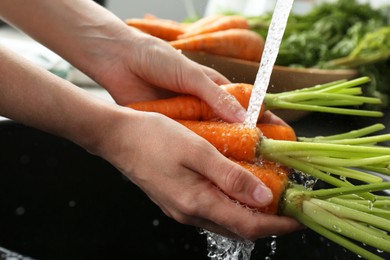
{"type": "Point", "coordinates": [337, 228]}
{"type": "Point", "coordinates": [155, 222]}
{"type": "Point", "coordinates": [24, 159]}
{"type": "Point", "coordinates": [20, 211]}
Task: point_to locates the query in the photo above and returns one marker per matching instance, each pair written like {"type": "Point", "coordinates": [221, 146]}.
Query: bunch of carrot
{"type": "Point", "coordinates": [346, 214]}
{"type": "Point", "coordinates": [217, 34]}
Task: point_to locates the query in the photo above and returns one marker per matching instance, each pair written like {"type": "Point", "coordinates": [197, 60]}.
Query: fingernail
{"type": "Point", "coordinates": [263, 195]}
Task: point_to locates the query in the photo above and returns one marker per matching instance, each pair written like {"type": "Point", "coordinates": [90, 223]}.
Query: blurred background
{"type": "Point", "coordinates": [180, 10]}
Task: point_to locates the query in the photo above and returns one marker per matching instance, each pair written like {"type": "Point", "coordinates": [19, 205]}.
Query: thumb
{"type": "Point", "coordinates": [237, 182]}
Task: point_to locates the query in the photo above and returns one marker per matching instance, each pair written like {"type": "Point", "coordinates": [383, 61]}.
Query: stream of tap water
{"type": "Point", "coordinates": [271, 49]}
{"type": "Point", "coordinates": [220, 247]}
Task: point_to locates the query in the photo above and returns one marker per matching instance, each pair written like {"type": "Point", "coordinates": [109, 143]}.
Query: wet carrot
{"type": "Point", "coordinates": [188, 107]}
{"type": "Point", "coordinates": [214, 24]}
{"type": "Point", "coordinates": [180, 107]}
{"type": "Point", "coordinates": [274, 176]}
{"type": "Point", "coordinates": [164, 29]}
{"type": "Point", "coordinates": [278, 132]}
{"type": "Point", "coordinates": [235, 43]}
{"type": "Point", "coordinates": [233, 140]}
{"type": "Point", "coordinates": [237, 141]}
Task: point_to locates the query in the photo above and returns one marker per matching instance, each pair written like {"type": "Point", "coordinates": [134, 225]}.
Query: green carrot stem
{"type": "Point", "coordinates": [379, 199]}
{"type": "Point", "coordinates": [308, 169]}
{"type": "Point", "coordinates": [323, 160]}
{"type": "Point", "coordinates": [297, 97]}
{"type": "Point", "coordinates": [361, 140]}
{"type": "Point", "coordinates": [331, 102]}
{"type": "Point", "coordinates": [348, 84]}
{"type": "Point", "coordinates": [379, 202]}
{"type": "Point", "coordinates": [369, 229]}
{"type": "Point", "coordinates": [295, 211]}
{"type": "Point", "coordinates": [368, 208]}
{"type": "Point", "coordinates": [337, 224]}
{"type": "Point", "coordinates": [327, 86]}
{"type": "Point", "coordinates": [356, 190]}
{"type": "Point", "coordinates": [276, 146]}
{"type": "Point", "coordinates": [358, 250]}
{"type": "Point", "coordinates": [325, 155]}
{"type": "Point", "coordinates": [349, 135]}
{"type": "Point", "coordinates": [351, 91]}
{"type": "Point", "coordinates": [323, 98]}
{"type": "Point", "coordinates": [349, 213]}
{"type": "Point", "coordinates": [333, 86]}
{"type": "Point", "coordinates": [334, 110]}
{"type": "Point", "coordinates": [350, 173]}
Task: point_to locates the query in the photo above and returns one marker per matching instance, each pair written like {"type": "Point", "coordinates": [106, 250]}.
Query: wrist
{"type": "Point", "coordinates": [104, 135]}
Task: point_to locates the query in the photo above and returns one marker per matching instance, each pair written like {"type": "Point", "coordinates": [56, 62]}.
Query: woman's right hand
{"type": "Point", "coordinates": [188, 178]}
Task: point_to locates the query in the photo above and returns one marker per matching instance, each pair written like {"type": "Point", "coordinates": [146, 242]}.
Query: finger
{"type": "Point", "coordinates": [226, 217]}
{"type": "Point", "coordinates": [234, 218]}
{"type": "Point", "coordinates": [234, 180]}
{"type": "Point", "coordinates": [271, 118]}
{"type": "Point", "coordinates": [223, 103]}
{"type": "Point", "coordinates": [206, 86]}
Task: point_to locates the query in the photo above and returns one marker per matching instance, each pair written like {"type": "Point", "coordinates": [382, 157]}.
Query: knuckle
{"type": "Point", "coordinates": [188, 206]}
{"type": "Point", "coordinates": [234, 180]}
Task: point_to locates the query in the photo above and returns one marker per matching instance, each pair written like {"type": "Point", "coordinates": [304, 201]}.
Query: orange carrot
{"type": "Point", "coordinates": [188, 107]}
{"type": "Point", "coordinates": [235, 43]}
{"type": "Point", "coordinates": [278, 132]}
{"type": "Point", "coordinates": [202, 22]}
{"type": "Point", "coordinates": [164, 29]}
{"type": "Point", "coordinates": [214, 24]}
{"type": "Point", "coordinates": [236, 140]}
{"type": "Point", "coordinates": [180, 107]}
{"type": "Point", "coordinates": [233, 140]}
{"type": "Point", "coordinates": [274, 176]}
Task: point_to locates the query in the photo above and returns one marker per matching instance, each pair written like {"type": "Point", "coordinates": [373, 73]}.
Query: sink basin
{"type": "Point", "coordinates": [59, 202]}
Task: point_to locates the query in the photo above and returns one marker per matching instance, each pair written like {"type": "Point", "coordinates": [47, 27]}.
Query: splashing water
{"type": "Point", "coordinates": [223, 248]}
{"type": "Point", "coordinates": [6, 254]}
{"type": "Point", "coordinates": [271, 50]}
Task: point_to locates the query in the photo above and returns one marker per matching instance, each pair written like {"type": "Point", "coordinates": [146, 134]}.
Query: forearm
{"type": "Point", "coordinates": [79, 31]}
{"type": "Point", "coordinates": [35, 97]}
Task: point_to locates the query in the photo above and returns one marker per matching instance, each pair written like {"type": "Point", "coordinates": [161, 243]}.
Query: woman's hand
{"type": "Point", "coordinates": [189, 179]}
{"type": "Point", "coordinates": [149, 68]}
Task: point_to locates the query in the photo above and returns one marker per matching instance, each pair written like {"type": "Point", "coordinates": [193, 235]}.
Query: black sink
{"type": "Point", "coordinates": [59, 202]}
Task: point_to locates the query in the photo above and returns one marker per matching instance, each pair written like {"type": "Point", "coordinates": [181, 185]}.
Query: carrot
{"type": "Point", "coordinates": [164, 29]}
{"type": "Point", "coordinates": [328, 159]}
{"type": "Point", "coordinates": [233, 140]}
{"type": "Point", "coordinates": [235, 43]}
{"type": "Point", "coordinates": [274, 176]}
{"type": "Point", "coordinates": [214, 24]}
{"type": "Point", "coordinates": [189, 107]}
{"type": "Point", "coordinates": [278, 132]}
{"type": "Point", "coordinates": [319, 98]}
{"type": "Point", "coordinates": [346, 214]}
{"type": "Point", "coordinates": [181, 107]}
{"type": "Point", "coordinates": [204, 21]}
